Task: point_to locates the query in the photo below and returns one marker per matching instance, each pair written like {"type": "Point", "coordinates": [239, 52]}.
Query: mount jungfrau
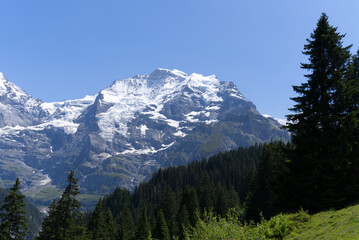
{"type": "Point", "coordinates": [119, 136]}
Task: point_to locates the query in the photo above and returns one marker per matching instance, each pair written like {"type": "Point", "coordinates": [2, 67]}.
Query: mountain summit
{"type": "Point", "coordinates": [17, 108]}
{"type": "Point", "coordinates": [119, 136]}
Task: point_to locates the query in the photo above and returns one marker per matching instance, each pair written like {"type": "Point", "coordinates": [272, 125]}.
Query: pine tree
{"type": "Point", "coordinates": [169, 207]}
{"type": "Point", "coordinates": [206, 192]}
{"type": "Point", "coordinates": [49, 226]}
{"type": "Point", "coordinates": [233, 199]}
{"type": "Point", "coordinates": [65, 221]}
{"type": "Point", "coordinates": [125, 225]}
{"type": "Point", "coordinates": [189, 199]}
{"type": "Point", "coordinates": [221, 206]}
{"type": "Point", "coordinates": [98, 226]}
{"type": "Point", "coordinates": [183, 221]}
{"type": "Point", "coordinates": [352, 127]}
{"type": "Point", "coordinates": [110, 225]}
{"type": "Point", "coordinates": [143, 231]}
{"type": "Point", "coordinates": [261, 199]}
{"type": "Point", "coordinates": [160, 230]}
{"type": "Point", "coordinates": [13, 221]}
{"type": "Point", "coordinates": [319, 125]}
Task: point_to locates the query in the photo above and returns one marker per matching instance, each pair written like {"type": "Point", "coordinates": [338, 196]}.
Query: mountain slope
{"type": "Point", "coordinates": [119, 136]}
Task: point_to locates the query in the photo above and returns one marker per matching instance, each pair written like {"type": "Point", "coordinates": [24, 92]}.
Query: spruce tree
{"type": "Point", "coordinates": [49, 226]}
{"type": "Point", "coordinates": [160, 230]}
{"type": "Point", "coordinates": [125, 225]}
{"type": "Point", "coordinates": [183, 221]}
{"type": "Point", "coordinates": [98, 227]}
{"type": "Point", "coordinates": [110, 225]}
{"type": "Point", "coordinates": [206, 192]}
{"type": "Point", "coordinates": [352, 127]}
{"type": "Point", "coordinates": [65, 221]}
{"type": "Point", "coordinates": [233, 199]}
{"type": "Point", "coordinates": [143, 231]}
{"type": "Point", "coordinates": [261, 199]}
{"type": "Point", "coordinates": [13, 221]}
{"type": "Point", "coordinates": [319, 161]}
{"type": "Point", "coordinates": [221, 206]}
{"type": "Point", "coordinates": [169, 208]}
{"type": "Point", "coordinates": [189, 199]}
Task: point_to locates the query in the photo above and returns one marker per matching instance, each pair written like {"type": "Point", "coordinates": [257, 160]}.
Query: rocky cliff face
{"type": "Point", "coordinates": [119, 136]}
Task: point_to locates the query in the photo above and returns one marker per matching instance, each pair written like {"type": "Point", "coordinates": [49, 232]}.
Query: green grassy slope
{"type": "Point", "coordinates": [341, 224]}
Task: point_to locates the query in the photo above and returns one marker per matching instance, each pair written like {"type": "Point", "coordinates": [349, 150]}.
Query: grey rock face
{"type": "Point", "coordinates": [119, 136]}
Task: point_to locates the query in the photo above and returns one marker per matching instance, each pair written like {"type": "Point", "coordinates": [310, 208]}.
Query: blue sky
{"type": "Point", "coordinates": [66, 49]}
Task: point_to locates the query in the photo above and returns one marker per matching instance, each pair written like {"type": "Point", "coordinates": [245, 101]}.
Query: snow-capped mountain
{"type": "Point", "coordinates": [119, 136]}
{"type": "Point", "coordinates": [17, 108]}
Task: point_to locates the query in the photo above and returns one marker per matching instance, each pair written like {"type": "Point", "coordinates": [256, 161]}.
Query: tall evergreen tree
{"type": "Point", "coordinates": [169, 208]}
{"type": "Point", "coordinates": [189, 199]}
{"type": "Point", "coordinates": [65, 221]}
{"type": "Point", "coordinates": [13, 221]}
{"type": "Point", "coordinates": [125, 225]}
{"type": "Point", "coordinates": [98, 227]}
{"type": "Point", "coordinates": [206, 192]}
{"type": "Point", "coordinates": [319, 160]}
{"type": "Point", "coordinates": [261, 199]}
{"type": "Point", "coordinates": [160, 230]}
{"type": "Point", "coordinates": [233, 199]}
{"type": "Point", "coordinates": [221, 206]}
{"type": "Point", "coordinates": [49, 226]}
{"type": "Point", "coordinates": [183, 221]}
{"type": "Point", "coordinates": [143, 231]}
{"type": "Point", "coordinates": [111, 229]}
{"type": "Point", "coordinates": [352, 128]}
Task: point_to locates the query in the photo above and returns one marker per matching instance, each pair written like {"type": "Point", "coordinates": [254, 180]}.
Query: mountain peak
{"type": "Point", "coordinates": [2, 82]}
{"type": "Point", "coordinates": [10, 89]}
{"type": "Point", "coordinates": [162, 72]}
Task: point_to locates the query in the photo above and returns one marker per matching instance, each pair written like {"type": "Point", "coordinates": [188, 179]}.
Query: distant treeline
{"type": "Point", "coordinates": [239, 179]}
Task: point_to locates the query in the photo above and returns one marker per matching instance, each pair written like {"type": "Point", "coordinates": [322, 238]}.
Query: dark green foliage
{"type": "Point", "coordinates": [352, 126]}
{"type": "Point", "coordinates": [169, 208]}
{"type": "Point", "coordinates": [100, 224]}
{"type": "Point", "coordinates": [49, 226]}
{"type": "Point", "coordinates": [221, 206]}
{"type": "Point", "coordinates": [182, 193]}
{"type": "Point", "coordinates": [160, 230]}
{"type": "Point", "coordinates": [232, 170]}
{"type": "Point", "coordinates": [206, 192]}
{"type": "Point", "coordinates": [183, 221]}
{"type": "Point", "coordinates": [233, 199]}
{"type": "Point", "coordinates": [143, 231]}
{"type": "Point", "coordinates": [65, 221]}
{"type": "Point", "coordinates": [110, 224]}
{"type": "Point", "coordinates": [118, 201]}
{"type": "Point", "coordinates": [189, 199]}
{"type": "Point", "coordinates": [125, 225]}
{"type": "Point", "coordinates": [13, 221]}
{"type": "Point", "coordinates": [262, 200]}
{"type": "Point", "coordinates": [324, 126]}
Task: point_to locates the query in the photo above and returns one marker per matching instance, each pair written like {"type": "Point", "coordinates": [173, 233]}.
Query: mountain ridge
{"type": "Point", "coordinates": [120, 135]}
